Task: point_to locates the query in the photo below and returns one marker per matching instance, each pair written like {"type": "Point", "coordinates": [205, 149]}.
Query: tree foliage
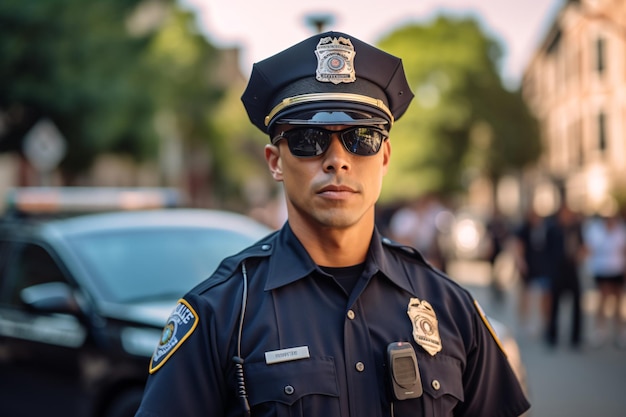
{"type": "Point", "coordinates": [113, 82]}
{"type": "Point", "coordinates": [191, 91]}
{"type": "Point", "coordinates": [102, 75]}
{"type": "Point", "coordinates": [463, 122]}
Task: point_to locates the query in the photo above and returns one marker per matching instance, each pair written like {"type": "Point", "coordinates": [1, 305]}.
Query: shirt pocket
{"type": "Point", "coordinates": [442, 386]}
{"type": "Point", "coordinates": [296, 388]}
{"type": "Point", "coordinates": [442, 381]}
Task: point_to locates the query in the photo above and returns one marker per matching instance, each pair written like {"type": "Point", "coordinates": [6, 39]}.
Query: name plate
{"type": "Point", "coordinates": [286, 355]}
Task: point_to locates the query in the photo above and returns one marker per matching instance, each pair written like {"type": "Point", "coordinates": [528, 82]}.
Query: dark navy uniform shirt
{"type": "Point", "coordinates": [311, 349]}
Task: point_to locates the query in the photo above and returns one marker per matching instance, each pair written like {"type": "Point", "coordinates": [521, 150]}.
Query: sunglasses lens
{"type": "Point", "coordinates": [310, 142]}
{"type": "Point", "coordinates": [307, 142]}
{"type": "Point", "coordinates": [362, 141]}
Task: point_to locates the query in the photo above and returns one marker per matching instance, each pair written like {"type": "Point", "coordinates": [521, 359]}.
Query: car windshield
{"type": "Point", "coordinates": [154, 264]}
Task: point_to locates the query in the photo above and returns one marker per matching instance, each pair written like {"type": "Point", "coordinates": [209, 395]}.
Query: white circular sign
{"type": "Point", "coordinates": [44, 146]}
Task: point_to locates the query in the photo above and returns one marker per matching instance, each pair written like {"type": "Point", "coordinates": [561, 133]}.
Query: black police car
{"type": "Point", "coordinates": [83, 299]}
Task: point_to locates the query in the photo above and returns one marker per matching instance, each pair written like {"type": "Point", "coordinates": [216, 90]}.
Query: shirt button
{"type": "Point", "coordinates": [360, 366]}
{"type": "Point", "coordinates": [436, 385]}
{"type": "Point", "coordinates": [351, 314]}
{"type": "Point", "coordinates": [289, 390]}
{"type": "Point", "coordinates": [266, 247]}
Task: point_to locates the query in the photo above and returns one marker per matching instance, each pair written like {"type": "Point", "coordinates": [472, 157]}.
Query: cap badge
{"type": "Point", "coordinates": [425, 325]}
{"type": "Point", "coordinates": [335, 60]}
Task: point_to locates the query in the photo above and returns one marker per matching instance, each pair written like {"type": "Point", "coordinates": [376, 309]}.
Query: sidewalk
{"type": "Point", "coordinates": [562, 382]}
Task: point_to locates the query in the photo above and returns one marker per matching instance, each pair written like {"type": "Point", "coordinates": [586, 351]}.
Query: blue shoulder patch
{"type": "Point", "coordinates": [182, 322]}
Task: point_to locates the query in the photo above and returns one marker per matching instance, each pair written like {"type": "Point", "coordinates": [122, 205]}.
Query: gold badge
{"type": "Point", "coordinates": [425, 325]}
{"type": "Point", "coordinates": [335, 60]}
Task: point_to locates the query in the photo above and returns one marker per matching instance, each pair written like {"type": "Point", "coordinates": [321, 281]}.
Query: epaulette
{"type": "Point", "coordinates": [230, 265]}
{"type": "Point", "coordinates": [411, 253]}
{"type": "Point", "coordinates": [184, 319]}
{"type": "Point", "coordinates": [405, 250]}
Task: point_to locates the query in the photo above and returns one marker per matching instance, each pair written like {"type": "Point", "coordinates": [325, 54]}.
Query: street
{"type": "Point", "coordinates": [561, 381]}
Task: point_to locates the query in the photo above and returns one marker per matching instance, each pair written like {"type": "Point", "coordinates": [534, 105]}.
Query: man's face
{"type": "Point", "coordinates": [336, 189]}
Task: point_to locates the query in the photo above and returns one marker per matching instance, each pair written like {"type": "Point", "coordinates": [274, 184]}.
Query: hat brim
{"type": "Point", "coordinates": [357, 115]}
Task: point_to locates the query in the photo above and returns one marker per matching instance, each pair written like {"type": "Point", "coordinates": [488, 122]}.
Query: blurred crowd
{"type": "Point", "coordinates": [553, 258]}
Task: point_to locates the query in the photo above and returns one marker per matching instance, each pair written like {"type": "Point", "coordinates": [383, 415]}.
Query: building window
{"type": "Point", "coordinates": [602, 140]}
{"type": "Point", "coordinates": [600, 55]}
{"type": "Point", "coordinates": [577, 152]}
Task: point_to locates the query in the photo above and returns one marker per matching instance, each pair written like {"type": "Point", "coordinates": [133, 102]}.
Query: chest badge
{"type": "Point", "coordinates": [425, 325]}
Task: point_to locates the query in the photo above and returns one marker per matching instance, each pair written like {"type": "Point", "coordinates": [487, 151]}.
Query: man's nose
{"type": "Point", "coordinates": [336, 156]}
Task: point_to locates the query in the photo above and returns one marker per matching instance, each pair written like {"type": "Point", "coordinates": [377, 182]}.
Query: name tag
{"type": "Point", "coordinates": [286, 355]}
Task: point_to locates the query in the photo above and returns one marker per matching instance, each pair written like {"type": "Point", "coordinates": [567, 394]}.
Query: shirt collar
{"type": "Point", "coordinates": [387, 262]}
{"type": "Point", "coordinates": [291, 262]}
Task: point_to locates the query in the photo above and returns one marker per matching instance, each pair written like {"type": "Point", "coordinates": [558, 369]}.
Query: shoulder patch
{"type": "Point", "coordinates": [485, 320]}
{"type": "Point", "coordinates": [181, 323]}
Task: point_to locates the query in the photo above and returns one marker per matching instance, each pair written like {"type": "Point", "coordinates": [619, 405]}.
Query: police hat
{"type": "Point", "coordinates": [328, 79]}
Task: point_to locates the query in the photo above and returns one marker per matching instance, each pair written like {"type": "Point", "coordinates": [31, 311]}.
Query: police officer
{"type": "Point", "coordinates": [326, 317]}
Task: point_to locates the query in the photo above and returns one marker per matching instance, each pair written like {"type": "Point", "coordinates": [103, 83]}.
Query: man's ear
{"type": "Point", "coordinates": [274, 161]}
{"type": "Point", "coordinates": [386, 155]}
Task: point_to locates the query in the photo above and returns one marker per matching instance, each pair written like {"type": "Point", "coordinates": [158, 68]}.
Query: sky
{"type": "Point", "coordinates": [261, 28]}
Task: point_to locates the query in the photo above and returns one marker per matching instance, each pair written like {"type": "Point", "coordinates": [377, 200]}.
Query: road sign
{"type": "Point", "coordinates": [44, 146]}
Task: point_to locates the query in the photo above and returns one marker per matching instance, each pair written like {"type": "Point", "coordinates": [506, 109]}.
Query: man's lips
{"type": "Point", "coordinates": [331, 189]}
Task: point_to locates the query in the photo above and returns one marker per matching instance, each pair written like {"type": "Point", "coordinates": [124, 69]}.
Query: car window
{"type": "Point", "coordinates": [4, 249]}
{"type": "Point", "coordinates": [32, 265]}
{"type": "Point", "coordinates": [152, 264]}
{"type": "Point", "coordinates": [4, 260]}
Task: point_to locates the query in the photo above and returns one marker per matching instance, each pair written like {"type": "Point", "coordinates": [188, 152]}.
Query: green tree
{"type": "Point", "coordinates": [103, 71]}
{"type": "Point", "coordinates": [76, 64]}
{"type": "Point", "coordinates": [191, 92]}
{"type": "Point", "coordinates": [463, 122]}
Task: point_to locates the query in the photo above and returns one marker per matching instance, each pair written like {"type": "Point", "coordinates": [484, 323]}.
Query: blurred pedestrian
{"type": "Point", "coordinates": [498, 231]}
{"type": "Point", "coordinates": [605, 237]}
{"type": "Point", "coordinates": [529, 251]}
{"type": "Point", "coordinates": [415, 225]}
{"type": "Point", "coordinates": [565, 251]}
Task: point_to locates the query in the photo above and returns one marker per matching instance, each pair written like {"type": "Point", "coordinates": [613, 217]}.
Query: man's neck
{"type": "Point", "coordinates": [335, 247]}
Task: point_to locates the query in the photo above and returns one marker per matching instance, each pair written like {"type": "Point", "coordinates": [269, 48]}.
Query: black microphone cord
{"type": "Point", "coordinates": [241, 383]}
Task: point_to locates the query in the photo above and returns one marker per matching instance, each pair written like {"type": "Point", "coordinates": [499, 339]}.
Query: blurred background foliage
{"type": "Point", "coordinates": [463, 122]}
{"type": "Point", "coordinates": [78, 65]}
{"type": "Point", "coordinates": [122, 76]}
{"type": "Point", "coordinates": [103, 71]}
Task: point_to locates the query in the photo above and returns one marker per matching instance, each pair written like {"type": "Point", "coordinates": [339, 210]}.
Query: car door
{"type": "Point", "coordinates": [39, 360]}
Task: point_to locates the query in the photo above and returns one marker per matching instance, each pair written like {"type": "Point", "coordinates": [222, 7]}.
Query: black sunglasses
{"type": "Point", "coordinates": [307, 142]}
